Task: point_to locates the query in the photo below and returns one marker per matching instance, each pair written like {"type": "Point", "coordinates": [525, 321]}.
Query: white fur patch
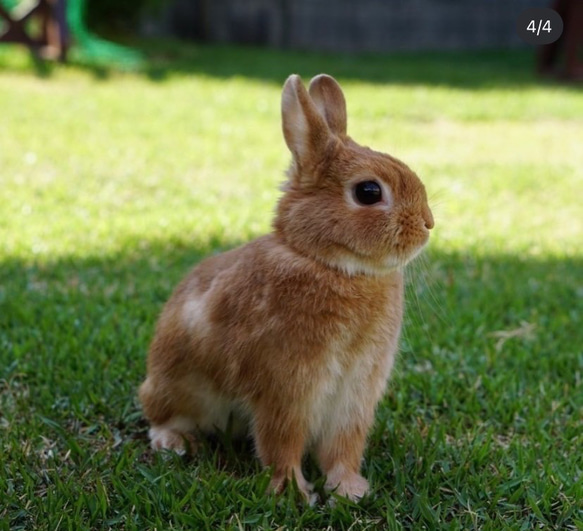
{"type": "Point", "coordinates": [194, 314]}
{"type": "Point", "coordinates": [351, 265]}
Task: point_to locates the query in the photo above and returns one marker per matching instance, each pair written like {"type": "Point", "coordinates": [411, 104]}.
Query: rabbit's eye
{"type": "Point", "coordinates": [368, 193]}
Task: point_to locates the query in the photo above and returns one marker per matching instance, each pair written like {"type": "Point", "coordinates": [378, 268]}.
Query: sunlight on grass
{"type": "Point", "coordinates": [136, 159]}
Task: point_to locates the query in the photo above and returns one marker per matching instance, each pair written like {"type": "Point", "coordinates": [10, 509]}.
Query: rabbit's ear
{"type": "Point", "coordinates": [304, 128]}
{"type": "Point", "coordinates": [329, 99]}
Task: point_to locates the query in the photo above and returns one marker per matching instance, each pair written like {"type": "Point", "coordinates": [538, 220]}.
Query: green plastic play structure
{"type": "Point", "coordinates": [89, 47]}
{"type": "Point", "coordinates": [86, 47]}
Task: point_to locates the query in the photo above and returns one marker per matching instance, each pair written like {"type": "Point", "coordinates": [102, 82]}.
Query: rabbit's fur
{"type": "Point", "coordinates": [294, 334]}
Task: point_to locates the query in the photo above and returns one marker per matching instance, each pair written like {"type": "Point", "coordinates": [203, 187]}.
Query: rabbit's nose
{"type": "Point", "coordinates": [428, 218]}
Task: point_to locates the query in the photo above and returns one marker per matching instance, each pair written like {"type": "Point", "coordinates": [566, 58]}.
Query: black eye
{"type": "Point", "coordinates": [368, 192]}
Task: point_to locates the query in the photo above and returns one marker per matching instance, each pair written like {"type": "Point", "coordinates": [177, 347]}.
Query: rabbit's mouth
{"type": "Point", "coordinates": [403, 254]}
{"type": "Point", "coordinates": [412, 253]}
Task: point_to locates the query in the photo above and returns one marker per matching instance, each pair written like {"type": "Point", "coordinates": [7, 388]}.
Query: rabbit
{"type": "Point", "coordinates": [293, 335]}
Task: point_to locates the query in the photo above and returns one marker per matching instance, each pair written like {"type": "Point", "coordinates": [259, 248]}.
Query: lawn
{"type": "Point", "coordinates": [113, 184]}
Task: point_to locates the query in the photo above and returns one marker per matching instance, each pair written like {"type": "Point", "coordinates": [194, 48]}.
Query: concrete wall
{"type": "Point", "coordinates": [352, 25]}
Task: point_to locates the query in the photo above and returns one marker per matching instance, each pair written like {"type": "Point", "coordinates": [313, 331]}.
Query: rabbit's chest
{"type": "Point", "coordinates": [350, 390]}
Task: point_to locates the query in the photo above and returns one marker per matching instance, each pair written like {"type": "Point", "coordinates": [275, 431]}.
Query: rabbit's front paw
{"type": "Point", "coordinates": [351, 486]}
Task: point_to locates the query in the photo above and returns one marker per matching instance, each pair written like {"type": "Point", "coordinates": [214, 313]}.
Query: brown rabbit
{"type": "Point", "coordinates": [294, 334]}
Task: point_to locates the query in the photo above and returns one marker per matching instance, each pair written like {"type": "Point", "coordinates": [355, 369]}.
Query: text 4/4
{"type": "Point", "coordinates": [537, 29]}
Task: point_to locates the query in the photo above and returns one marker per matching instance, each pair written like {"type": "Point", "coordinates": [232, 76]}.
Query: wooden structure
{"type": "Point", "coordinates": [43, 28]}
{"type": "Point", "coordinates": [570, 42]}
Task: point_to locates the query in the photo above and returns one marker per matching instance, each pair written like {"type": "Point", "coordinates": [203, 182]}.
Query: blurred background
{"type": "Point", "coordinates": [344, 25]}
{"type": "Point", "coordinates": [137, 137]}
{"type": "Point", "coordinates": [333, 25]}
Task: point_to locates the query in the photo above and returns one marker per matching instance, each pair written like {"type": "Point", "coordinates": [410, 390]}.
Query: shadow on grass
{"type": "Point", "coordinates": [470, 70]}
{"type": "Point", "coordinates": [77, 330]}
{"type": "Point", "coordinates": [74, 334]}
{"type": "Point", "coordinates": [81, 326]}
{"type": "Point", "coordinates": [473, 70]}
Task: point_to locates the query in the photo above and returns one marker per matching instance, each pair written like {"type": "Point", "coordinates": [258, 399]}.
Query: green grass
{"type": "Point", "coordinates": [112, 185]}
